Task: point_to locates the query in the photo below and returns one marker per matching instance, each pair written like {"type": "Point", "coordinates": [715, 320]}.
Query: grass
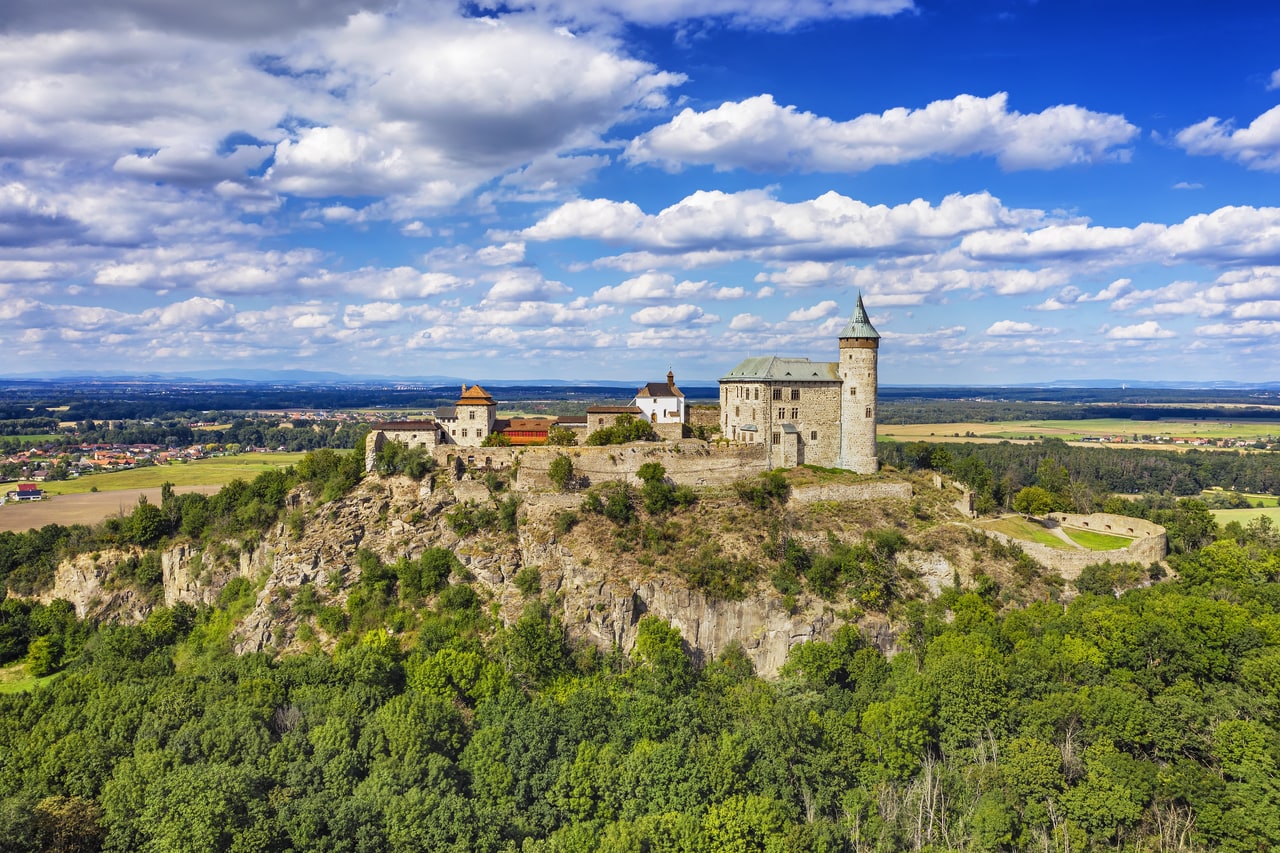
{"type": "Point", "coordinates": [14, 679]}
{"type": "Point", "coordinates": [1075, 430]}
{"type": "Point", "coordinates": [1256, 500]}
{"type": "Point", "coordinates": [1244, 516]}
{"type": "Point", "coordinates": [38, 438]}
{"type": "Point", "coordinates": [216, 471]}
{"type": "Point", "coordinates": [1028, 531]}
{"type": "Point", "coordinates": [1095, 541]}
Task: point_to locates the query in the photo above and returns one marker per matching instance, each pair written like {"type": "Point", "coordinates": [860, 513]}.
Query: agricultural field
{"type": "Point", "coordinates": [215, 471]}
{"type": "Point", "coordinates": [1244, 516]}
{"type": "Point", "coordinates": [1078, 430]}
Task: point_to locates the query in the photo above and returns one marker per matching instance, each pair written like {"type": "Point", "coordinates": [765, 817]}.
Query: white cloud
{"type": "Point", "coordinates": [1147, 331]}
{"type": "Point", "coordinates": [672, 315]}
{"type": "Point", "coordinates": [1013, 328]}
{"type": "Point", "coordinates": [395, 283]}
{"type": "Point", "coordinates": [524, 285]}
{"type": "Point", "coordinates": [648, 287]}
{"type": "Point", "coordinates": [814, 312]}
{"type": "Point", "coordinates": [1188, 185]}
{"type": "Point", "coordinates": [1274, 82]}
{"type": "Point", "coordinates": [1252, 329]}
{"type": "Point", "coordinates": [756, 224]}
{"type": "Point", "coordinates": [760, 135]}
{"type": "Point", "coordinates": [1256, 146]}
{"type": "Point", "coordinates": [507, 253]}
{"type": "Point", "coordinates": [747, 323]}
{"type": "Point", "coordinates": [751, 14]}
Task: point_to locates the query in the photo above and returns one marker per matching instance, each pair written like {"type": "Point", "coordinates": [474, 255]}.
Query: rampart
{"type": "Point", "coordinates": [687, 463]}
{"type": "Point", "coordinates": [851, 492]}
{"type": "Point", "coordinates": [1150, 546]}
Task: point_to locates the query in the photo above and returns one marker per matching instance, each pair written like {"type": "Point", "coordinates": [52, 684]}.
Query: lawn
{"type": "Point", "coordinates": [1028, 531]}
{"type": "Point", "coordinates": [1244, 516]}
{"type": "Point", "coordinates": [14, 679]}
{"type": "Point", "coordinates": [1095, 541]}
{"type": "Point", "coordinates": [215, 471]}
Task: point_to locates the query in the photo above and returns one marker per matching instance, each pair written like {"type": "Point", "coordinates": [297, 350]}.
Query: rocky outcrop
{"type": "Point", "coordinates": [85, 581]}
{"type": "Point", "coordinates": [397, 517]}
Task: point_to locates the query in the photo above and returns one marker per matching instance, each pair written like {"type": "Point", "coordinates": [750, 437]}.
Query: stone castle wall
{"type": "Point", "coordinates": [688, 463]}
{"type": "Point", "coordinates": [1151, 546]}
{"type": "Point", "coordinates": [851, 492]}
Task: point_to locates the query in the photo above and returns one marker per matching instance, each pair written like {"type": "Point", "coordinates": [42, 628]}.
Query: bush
{"type": "Point", "coordinates": [761, 493]}
{"type": "Point", "coordinates": [529, 581]}
{"type": "Point", "coordinates": [468, 519]}
{"type": "Point", "coordinates": [560, 472]}
{"type": "Point", "coordinates": [626, 428]}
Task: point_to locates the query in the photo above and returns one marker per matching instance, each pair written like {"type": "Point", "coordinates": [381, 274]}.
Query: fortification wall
{"type": "Point", "coordinates": [851, 492]}
{"type": "Point", "coordinates": [1151, 547]}
{"type": "Point", "coordinates": [688, 463]}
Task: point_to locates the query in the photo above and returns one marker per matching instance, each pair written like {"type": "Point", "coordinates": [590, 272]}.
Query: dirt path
{"type": "Point", "coordinates": [81, 509]}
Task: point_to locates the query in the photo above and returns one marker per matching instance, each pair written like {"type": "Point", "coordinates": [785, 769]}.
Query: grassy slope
{"type": "Point", "coordinates": [1095, 541]}
{"type": "Point", "coordinates": [14, 679]}
{"type": "Point", "coordinates": [1030, 531]}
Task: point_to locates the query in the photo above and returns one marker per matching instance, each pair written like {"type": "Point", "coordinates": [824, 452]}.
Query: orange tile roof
{"type": "Point", "coordinates": [475, 396]}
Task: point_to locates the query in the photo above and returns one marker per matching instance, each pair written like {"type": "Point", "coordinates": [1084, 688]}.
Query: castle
{"type": "Point", "coordinates": [785, 411]}
{"type": "Point", "coordinates": [809, 412]}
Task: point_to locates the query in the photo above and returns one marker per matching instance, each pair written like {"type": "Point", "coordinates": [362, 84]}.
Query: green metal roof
{"type": "Point", "coordinates": [775, 369]}
{"type": "Point", "coordinates": [859, 325]}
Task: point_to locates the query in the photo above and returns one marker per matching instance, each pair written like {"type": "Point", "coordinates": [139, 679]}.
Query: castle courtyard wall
{"type": "Point", "coordinates": [1151, 546]}
{"type": "Point", "coordinates": [687, 463]}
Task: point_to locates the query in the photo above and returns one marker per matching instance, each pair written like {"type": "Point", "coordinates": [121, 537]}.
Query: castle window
{"type": "Point", "coordinates": [464, 433]}
{"type": "Point", "coordinates": [853, 392]}
{"type": "Point", "coordinates": [479, 433]}
{"type": "Point", "coordinates": [795, 393]}
{"type": "Point", "coordinates": [757, 394]}
{"type": "Point", "coordinates": [782, 413]}
{"type": "Point", "coordinates": [868, 411]}
{"type": "Point", "coordinates": [777, 438]}
{"type": "Point", "coordinates": [813, 435]}
{"type": "Point", "coordinates": [736, 412]}
{"type": "Point", "coordinates": [472, 414]}
{"type": "Point", "coordinates": [795, 413]}
{"type": "Point", "coordinates": [777, 393]}
{"type": "Point", "coordinates": [453, 432]}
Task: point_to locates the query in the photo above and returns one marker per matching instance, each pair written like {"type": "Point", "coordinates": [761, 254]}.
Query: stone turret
{"type": "Point", "coordinates": [859, 350]}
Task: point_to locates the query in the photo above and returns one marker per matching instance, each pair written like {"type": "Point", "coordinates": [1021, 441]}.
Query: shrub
{"type": "Point", "coordinates": [626, 428]}
{"type": "Point", "coordinates": [560, 472]}
{"type": "Point", "coordinates": [529, 581]}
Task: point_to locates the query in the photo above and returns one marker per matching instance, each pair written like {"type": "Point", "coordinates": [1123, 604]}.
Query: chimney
{"type": "Point", "coordinates": [671, 379]}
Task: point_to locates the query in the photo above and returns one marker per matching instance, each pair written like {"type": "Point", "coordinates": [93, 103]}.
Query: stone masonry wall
{"type": "Point", "coordinates": [689, 463]}
{"type": "Point", "coordinates": [851, 492]}
{"type": "Point", "coordinates": [1152, 547]}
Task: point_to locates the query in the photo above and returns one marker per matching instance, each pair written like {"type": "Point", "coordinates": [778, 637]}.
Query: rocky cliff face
{"type": "Point", "coordinates": [596, 598]}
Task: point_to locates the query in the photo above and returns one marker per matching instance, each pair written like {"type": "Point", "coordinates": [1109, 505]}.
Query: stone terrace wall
{"type": "Point", "coordinates": [1152, 547]}
{"type": "Point", "coordinates": [851, 492]}
{"type": "Point", "coordinates": [688, 463]}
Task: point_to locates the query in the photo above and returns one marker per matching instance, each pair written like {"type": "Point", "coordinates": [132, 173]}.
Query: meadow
{"type": "Point", "coordinates": [214, 471]}
{"type": "Point", "coordinates": [1244, 516]}
{"type": "Point", "coordinates": [1032, 531]}
{"type": "Point", "coordinates": [1076, 430]}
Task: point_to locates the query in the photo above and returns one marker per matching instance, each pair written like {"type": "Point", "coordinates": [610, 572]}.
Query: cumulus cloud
{"type": "Point", "coordinates": [814, 312]}
{"type": "Point", "coordinates": [672, 315]}
{"type": "Point", "coordinates": [756, 224]}
{"type": "Point", "coordinates": [1256, 146]}
{"type": "Point", "coordinates": [760, 135]}
{"type": "Point", "coordinates": [524, 285]}
{"type": "Point", "coordinates": [1147, 331]}
{"type": "Point", "coordinates": [1014, 328]}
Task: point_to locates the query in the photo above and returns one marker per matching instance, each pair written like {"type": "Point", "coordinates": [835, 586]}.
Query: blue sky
{"type": "Point", "coordinates": [1023, 191]}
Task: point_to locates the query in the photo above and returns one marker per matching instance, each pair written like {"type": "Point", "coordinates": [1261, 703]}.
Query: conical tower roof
{"type": "Point", "coordinates": [859, 325]}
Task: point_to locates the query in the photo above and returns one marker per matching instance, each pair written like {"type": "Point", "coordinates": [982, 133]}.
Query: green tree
{"type": "Point", "coordinates": [560, 472]}
{"type": "Point", "coordinates": [559, 436]}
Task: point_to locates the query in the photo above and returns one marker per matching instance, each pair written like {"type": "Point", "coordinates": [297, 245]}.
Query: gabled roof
{"type": "Point", "coordinates": [859, 325]}
{"type": "Point", "coordinates": [447, 413]}
{"type": "Point", "coordinates": [659, 389]}
{"type": "Point", "coordinates": [614, 410]}
{"type": "Point", "coordinates": [774, 369]}
{"type": "Point", "coordinates": [475, 396]}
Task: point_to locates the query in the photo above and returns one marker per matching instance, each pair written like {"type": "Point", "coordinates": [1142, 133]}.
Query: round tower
{"type": "Point", "coordinates": [859, 348]}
